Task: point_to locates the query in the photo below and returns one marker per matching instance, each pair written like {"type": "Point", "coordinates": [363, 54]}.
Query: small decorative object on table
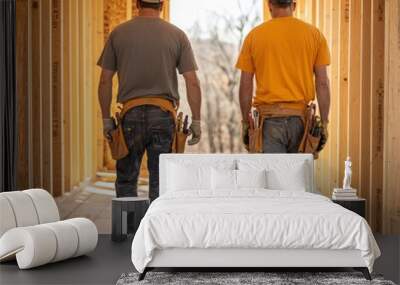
{"type": "Point", "coordinates": [126, 216]}
{"type": "Point", "coordinates": [347, 174]}
{"type": "Point", "coordinates": [347, 192]}
{"type": "Point", "coordinates": [347, 196]}
{"type": "Point", "coordinates": [344, 194]}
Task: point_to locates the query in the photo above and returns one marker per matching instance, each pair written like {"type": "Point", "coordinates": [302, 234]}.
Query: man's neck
{"type": "Point", "coordinates": [149, 13]}
{"type": "Point", "coordinates": [281, 13]}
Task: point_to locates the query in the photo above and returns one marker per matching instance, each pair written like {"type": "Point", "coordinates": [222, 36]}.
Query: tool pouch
{"type": "Point", "coordinates": [310, 143]}
{"type": "Point", "coordinates": [118, 146]}
{"type": "Point", "coordinates": [180, 142]}
{"type": "Point", "coordinates": [255, 140]}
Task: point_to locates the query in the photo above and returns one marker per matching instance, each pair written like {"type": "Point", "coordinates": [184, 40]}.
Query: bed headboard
{"type": "Point", "coordinates": [212, 159]}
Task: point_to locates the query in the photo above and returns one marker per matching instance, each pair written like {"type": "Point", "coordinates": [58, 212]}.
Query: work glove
{"type": "Point", "coordinates": [108, 126]}
{"type": "Point", "coordinates": [324, 136]}
{"type": "Point", "coordinates": [195, 131]}
{"type": "Point", "coordinates": [245, 134]}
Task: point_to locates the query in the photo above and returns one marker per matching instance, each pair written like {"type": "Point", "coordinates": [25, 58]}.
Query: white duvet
{"type": "Point", "coordinates": [250, 219]}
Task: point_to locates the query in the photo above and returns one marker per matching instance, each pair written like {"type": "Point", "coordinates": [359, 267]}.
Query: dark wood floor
{"type": "Point", "coordinates": [106, 264]}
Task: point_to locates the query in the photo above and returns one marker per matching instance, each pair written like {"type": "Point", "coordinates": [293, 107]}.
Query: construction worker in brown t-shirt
{"type": "Point", "coordinates": [145, 52]}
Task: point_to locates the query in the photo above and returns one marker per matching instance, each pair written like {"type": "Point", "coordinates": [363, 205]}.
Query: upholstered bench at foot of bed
{"type": "Point", "coordinates": [46, 243]}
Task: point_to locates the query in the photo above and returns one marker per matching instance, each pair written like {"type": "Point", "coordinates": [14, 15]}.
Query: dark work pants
{"type": "Point", "coordinates": [282, 135]}
{"type": "Point", "coordinates": [146, 128]}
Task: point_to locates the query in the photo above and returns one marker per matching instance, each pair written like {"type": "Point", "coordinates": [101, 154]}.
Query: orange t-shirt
{"type": "Point", "coordinates": [282, 53]}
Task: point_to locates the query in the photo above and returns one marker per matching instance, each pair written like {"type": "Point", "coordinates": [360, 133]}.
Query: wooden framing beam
{"type": "Point", "coordinates": [354, 100]}
{"type": "Point", "coordinates": [88, 98]}
{"type": "Point", "coordinates": [57, 98]}
{"type": "Point", "coordinates": [75, 79]}
{"type": "Point", "coordinates": [335, 97]}
{"type": "Point", "coordinates": [166, 10]}
{"type": "Point", "coordinates": [82, 92]}
{"type": "Point", "coordinates": [129, 8]}
{"type": "Point", "coordinates": [314, 12]}
{"type": "Point", "coordinates": [326, 154]}
{"type": "Point", "coordinates": [36, 93]}
{"type": "Point", "coordinates": [67, 94]}
{"type": "Point", "coordinates": [46, 83]}
{"type": "Point", "coordinates": [377, 114]}
{"type": "Point", "coordinates": [98, 45]}
{"type": "Point", "coordinates": [344, 10]}
{"type": "Point", "coordinates": [22, 89]}
{"type": "Point", "coordinates": [365, 102]}
{"type": "Point", "coordinates": [29, 94]}
{"type": "Point", "coordinates": [81, 88]}
{"type": "Point", "coordinates": [301, 9]}
{"type": "Point", "coordinates": [323, 173]}
{"type": "Point", "coordinates": [320, 21]}
{"type": "Point", "coordinates": [391, 179]}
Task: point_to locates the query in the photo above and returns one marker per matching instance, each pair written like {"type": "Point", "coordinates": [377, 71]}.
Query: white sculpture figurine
{"type": "Point", "coordinates": [347, 174]}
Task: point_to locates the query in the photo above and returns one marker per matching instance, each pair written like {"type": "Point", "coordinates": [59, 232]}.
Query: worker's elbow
{"type": "Point", "coordinates": [194, 83]}
{"type": "Point", "coordinates": [105, 81]}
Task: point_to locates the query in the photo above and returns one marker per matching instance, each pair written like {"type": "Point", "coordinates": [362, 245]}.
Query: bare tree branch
{"type": "Point", "coordinates": [218, 45]}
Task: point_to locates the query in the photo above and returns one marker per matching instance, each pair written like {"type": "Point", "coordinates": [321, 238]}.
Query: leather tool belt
{"type": "Point", "coordinates": [118, 146]}
{"type": "Point", "coordinates": [256, 136]}
{"type": "Point", "coordinates": [311, 141]}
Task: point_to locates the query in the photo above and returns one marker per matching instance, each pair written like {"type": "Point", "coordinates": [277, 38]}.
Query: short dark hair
{"type": "Point", "coordinates": [155, 6]}
{"type": "Point", "coordinates": [281, 4]}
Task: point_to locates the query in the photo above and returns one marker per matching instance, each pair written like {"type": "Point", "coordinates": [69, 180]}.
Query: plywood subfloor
{"type": "Point", "coordinates": [82, 204]}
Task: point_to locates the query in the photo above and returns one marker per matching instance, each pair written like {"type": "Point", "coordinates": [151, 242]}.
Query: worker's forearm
{"type": "Point", "coordinates": [246, 100]}
{"type": "Point", "coordinates": [194, 99]}
{"type": "Point", "coordinates": [324, 100]}
{"type": "Point", "coordinates": [105, 98]}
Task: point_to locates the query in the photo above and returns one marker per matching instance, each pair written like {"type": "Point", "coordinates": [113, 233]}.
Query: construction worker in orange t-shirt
{"type": "Point", "coordinates": [289, 60]}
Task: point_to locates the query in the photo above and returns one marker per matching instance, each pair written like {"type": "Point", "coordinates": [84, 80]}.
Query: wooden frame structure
{"type": "Point", "coordinates": [59, 122]}
{"type": "Point", "coordinates": [365, 124]}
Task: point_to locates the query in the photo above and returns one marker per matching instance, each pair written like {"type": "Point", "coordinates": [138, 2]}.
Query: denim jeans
{"type": "Point", "coordinates": [282, 135]}
{"type": "Point", "coordinates": [146, 128]}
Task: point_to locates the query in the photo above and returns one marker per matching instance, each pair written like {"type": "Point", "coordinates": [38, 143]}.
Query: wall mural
{"type": "Point", "coordinates": [88, 23]}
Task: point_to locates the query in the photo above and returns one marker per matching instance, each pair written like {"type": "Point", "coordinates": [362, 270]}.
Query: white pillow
{"type": "Point", "coordinates": [290, 179]}
{"type": "Point", "coordinates": [223, 179]}
{"type": "Point", "coordinates": [183, 177]}
{"type": "Point", "coordinates": [251, 178]}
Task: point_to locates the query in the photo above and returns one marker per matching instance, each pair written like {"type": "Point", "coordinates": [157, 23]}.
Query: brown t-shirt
{"type": "Point", "coordinates": [146, 52]}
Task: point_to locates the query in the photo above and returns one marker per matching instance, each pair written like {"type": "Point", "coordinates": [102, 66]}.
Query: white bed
{"type": "Point", "coordinates": [219, 224]}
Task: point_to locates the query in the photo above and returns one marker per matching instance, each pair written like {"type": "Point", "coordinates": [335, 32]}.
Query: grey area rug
{"type": "Point", "coordinates": [183, 278]}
